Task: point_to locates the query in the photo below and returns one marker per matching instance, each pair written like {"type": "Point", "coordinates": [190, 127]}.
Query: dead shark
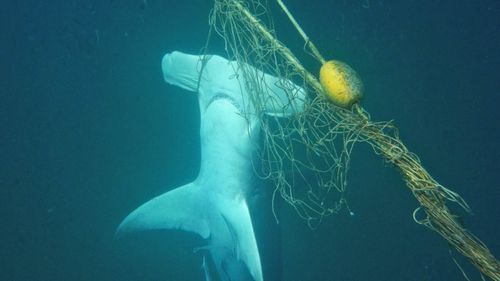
{"type": "Point", "coordinates": [214, 205]}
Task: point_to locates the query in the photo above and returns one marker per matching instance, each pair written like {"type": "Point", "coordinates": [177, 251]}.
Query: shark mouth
{"type": "Point", "coordinates": [225, 97]}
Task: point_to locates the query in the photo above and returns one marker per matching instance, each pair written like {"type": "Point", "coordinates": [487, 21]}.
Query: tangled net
{"type": "Point", "coordinates": [307, 155]}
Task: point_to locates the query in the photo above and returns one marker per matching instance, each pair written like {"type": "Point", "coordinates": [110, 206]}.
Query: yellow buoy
{"type": "Point", "coordinates": [341, 83]}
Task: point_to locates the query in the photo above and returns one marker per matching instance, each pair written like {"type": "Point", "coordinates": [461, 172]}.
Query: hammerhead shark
{"type": "Point", "coordinates": [214, 205]}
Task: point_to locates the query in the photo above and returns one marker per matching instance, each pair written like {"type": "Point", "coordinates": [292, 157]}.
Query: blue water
{"type": "Point", "coordinates": [90, 131]}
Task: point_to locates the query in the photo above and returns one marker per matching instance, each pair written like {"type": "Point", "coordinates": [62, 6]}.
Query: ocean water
{"type": "Point", "coordinates": [90, 131]}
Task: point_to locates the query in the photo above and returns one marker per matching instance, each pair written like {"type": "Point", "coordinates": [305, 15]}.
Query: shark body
{"type": "Point", "coordinates": [214, 205]}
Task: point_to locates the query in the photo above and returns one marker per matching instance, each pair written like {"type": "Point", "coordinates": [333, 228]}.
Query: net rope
{"type": "Point", "coordinates": [307, 155]}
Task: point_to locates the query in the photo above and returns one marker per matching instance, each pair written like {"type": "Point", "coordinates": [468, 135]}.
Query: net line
{"type": "Point", "coordinates": [307, 155]}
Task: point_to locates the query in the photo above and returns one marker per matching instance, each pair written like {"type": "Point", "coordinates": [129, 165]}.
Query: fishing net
{"type": "Point", "coordinates": [307, 154]}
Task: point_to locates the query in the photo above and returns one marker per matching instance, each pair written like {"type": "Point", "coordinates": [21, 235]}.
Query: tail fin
{"type": "Point", "coordinates": [225, 221]}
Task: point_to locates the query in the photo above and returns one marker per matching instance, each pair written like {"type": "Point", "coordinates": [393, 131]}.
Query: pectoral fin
{"type": "Point", "coordinates": [181, 208]}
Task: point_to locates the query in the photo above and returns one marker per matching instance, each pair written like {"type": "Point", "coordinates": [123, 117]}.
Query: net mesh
{"type": "Point", "coordinates": [307, 154]}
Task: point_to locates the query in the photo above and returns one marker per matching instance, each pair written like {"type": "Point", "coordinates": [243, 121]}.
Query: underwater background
{"type": "Point", "coordinates": [90, 131]}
